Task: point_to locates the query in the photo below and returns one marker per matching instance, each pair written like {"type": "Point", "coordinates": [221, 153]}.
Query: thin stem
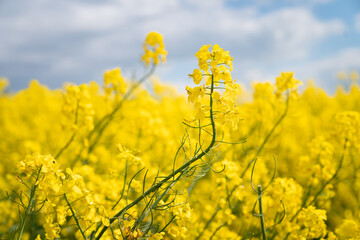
{"type": "Point", "coordinates": [156, 202]}
{"type": "Point", "coordinates": [74, 215]}
{"type": "Point", "coordinates": [262, 219]}
{"type": "Point", "coordinates": [30, 206]}
{"type": "Point", "coordinates": [324, 185]}
{"type": "Point", "coordinates": [172, 219]}
{"type": "Point", "coordinates": [216, 230]}
{"type": "Point", "coordinates": [267, 137]}
{"type": "Point", "coordinates": [65, 146]}
{"type": "Point", "coordinates": [107, 119]}
{"type": "Point", "coordinates": [173, 174]}
{"type": "Point", "coordinates": [208, 223]}
{"type": "Point", "coordinates": [72, 137]}
{"type": "Point", "coordinates": [123, 190]}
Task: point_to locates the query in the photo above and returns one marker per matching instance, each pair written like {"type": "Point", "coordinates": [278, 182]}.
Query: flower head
{"type": "Point", "coordinates": [114, 82]}
{"type": "Point", "coordinates": [286, 81]}
{"type": "Point", "coordinates": [154, 49]}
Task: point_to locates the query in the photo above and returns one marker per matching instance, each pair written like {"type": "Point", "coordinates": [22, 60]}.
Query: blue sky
{"type": "Point", "coordinates": [77, 40]}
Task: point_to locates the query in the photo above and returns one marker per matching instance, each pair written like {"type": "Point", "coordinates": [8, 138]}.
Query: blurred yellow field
{"type": "Point", "coordinates": [215, 161]}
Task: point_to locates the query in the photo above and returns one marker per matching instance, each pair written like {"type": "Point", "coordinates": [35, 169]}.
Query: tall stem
{"type": "Point", "coordinates": [108, 118]}
{"type": "Point", "coordinates": [30, 206]}
{"type": "Point", "coordinates": [174, 173]}
{"type": "Point", "coordinates": [262, 219]}
{"type": "Point", "coordinates": [75, 217]}
{"type": "Point", "coordinates": [267, 137]}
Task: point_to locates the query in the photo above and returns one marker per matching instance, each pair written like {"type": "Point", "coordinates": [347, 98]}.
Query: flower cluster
{"type": "Point", "coordinates": [114, 82]}
{"type": "Point", "coordinates": [215, 68]}
{"type": "Point", "coordinates": [3, 84]}
{"type": "Point", "coordinates": [154, 49]}
{"type": "Point", "coordinates": [348, 127]}
{"type": "Point", "coordinates": [78, 108]}
{"type": "Point", "coordinates": [122, 172]}
{"type": "Point", "coordinates": [349, 230]}
{"type": "Point", "coordinates": [58, 193]}
{"type": "Point", "coordinates": [287, 82]}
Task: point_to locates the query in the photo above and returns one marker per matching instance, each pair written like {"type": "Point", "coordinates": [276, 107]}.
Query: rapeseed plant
{"type": "Point", "coordinates": [119, 161]}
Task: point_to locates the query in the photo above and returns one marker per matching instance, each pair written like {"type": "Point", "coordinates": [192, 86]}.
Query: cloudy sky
{"type": "Point", "coordinates": [76, 40]}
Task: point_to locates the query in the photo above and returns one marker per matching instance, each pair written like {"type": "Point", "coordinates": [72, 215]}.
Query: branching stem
{"type": "Point", "coordinates": [75, 217]}
{"type": "Point", "coordinates": [174, 173]}
{"type": "Point", "coordinates": [30, 206]}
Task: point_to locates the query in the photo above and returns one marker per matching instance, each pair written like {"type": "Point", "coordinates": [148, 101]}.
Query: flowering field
{"type": "Point", "coordinates": [216, 161]}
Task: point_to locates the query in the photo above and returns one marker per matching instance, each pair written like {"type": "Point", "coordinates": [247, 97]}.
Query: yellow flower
{"type": "Point", "coordinates": [216, 96]}
{"type": "Point", "coordinates": [61, 213]}
{"type": "Point", "coordinates": [349, 229]}
{"type": "Point", "coordinates": [114, 81]}
{"type": "Point", "coordinates": [78, 108]}
{"type": "Point", "coordinates": [197, 76]}
{"type": "Point", "coordinates": [52, 230]}
{"type": "Point", "coordinates": [154, 49]}
{"type": "Point", "coordinates": [286, 81]}
{"type": "Point", "coordinates": [348, 126]}
{"type": "Point", "coordinates": [157, 236]}
{"type": "Point", "coordinates": [313, 219]}
{"type": "Point", "coordinates": [200, 114]}
{"type": "Point", "coordinates": [331, 236]}
{"type": "Point", "coordinates": [3, 83]}
{"type": "Point", "coordinates": [131, 234]}
{"type": "Point", "coordinates": [264, 91]}
{"type": "Point", "coordinates": [195, 93]}
{"type": "Point", "coordinates": [203, 55]}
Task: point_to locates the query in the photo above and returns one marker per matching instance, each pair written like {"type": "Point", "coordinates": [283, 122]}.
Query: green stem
{"type": "Point", "coordinates": [72, 137]}
{"type": "Point", "coordinates": [65, 146]}
{"type": "Point", "coordinates": [267, 137]}
{"type": "Point", "coordinates": [216, 230]}
{"type": "Point", "coordinates": [208, 222]}
{"type": "Point", "coordinates": [174, 173]}
{"type": "Point", "coordinates": [108, 118]}
{"type": "Point", "coordinates": [30, 205]}
{"type": "Point", "coordinates": [262, 219]}
{"type": "Point", "coordinates": [324, 185]}
{"type": "Point", "coordinates": [74, 215]}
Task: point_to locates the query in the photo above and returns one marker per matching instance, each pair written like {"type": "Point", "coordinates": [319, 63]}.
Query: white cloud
{"type": "Point", "coordinates": [88, 36]}
{"type": "Point", "coordinates": [326, 69]}
{"type": "Point", "coordinates": [323, 70]}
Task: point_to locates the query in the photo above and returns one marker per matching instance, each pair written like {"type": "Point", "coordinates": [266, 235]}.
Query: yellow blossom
{"type": "Point", "coordinates": [154, 48]}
